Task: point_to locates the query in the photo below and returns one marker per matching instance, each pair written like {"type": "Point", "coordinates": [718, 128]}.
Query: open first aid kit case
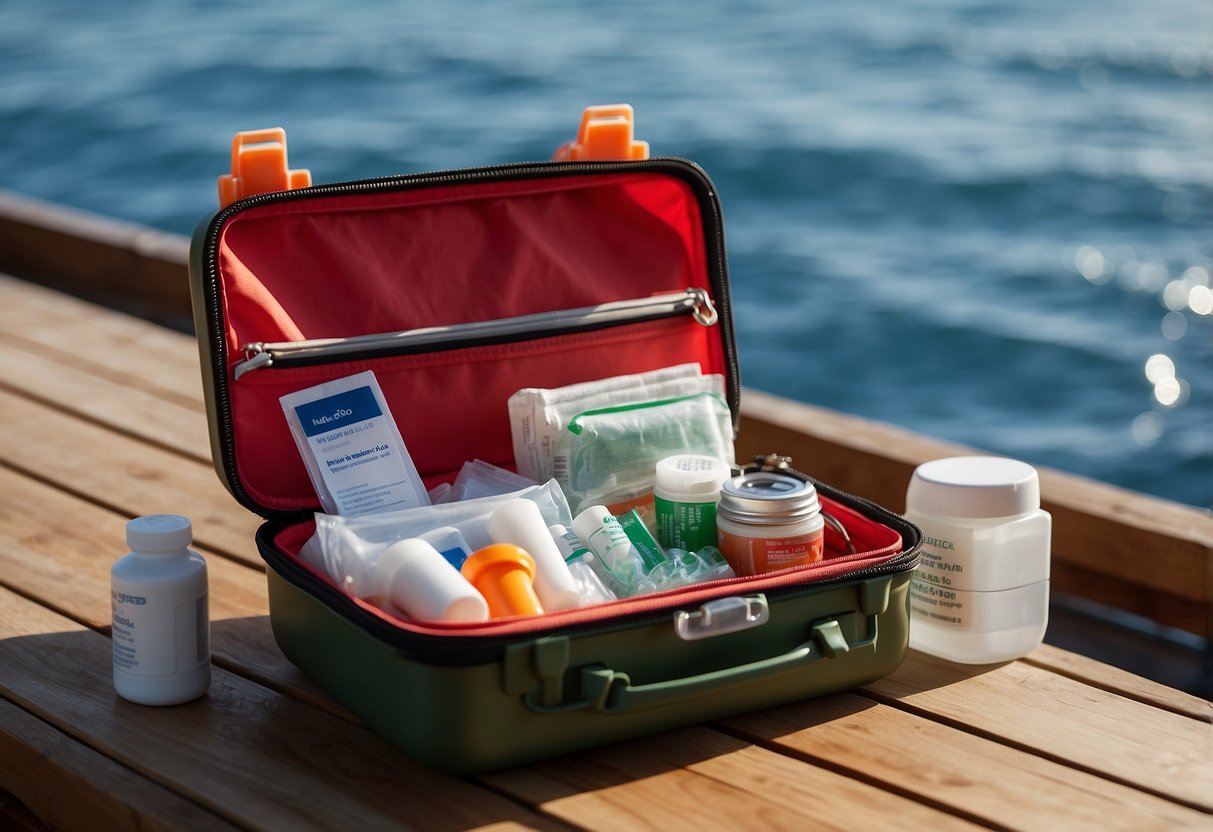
{"type": "Point", "coordinates": [457, 289]}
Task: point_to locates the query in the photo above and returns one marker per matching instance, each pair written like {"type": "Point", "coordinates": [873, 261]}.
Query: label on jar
{"type": "Point", "coordinates": [935, 592]}
{"type": "Point", "coordinates": [754, 555]}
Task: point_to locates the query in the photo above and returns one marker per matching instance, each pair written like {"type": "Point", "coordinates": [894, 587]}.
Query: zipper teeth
{"type": "Point", "coordinates": [457, 336]}
{"type": "Point", "coordinates": [698, 181]}
{"type": "Point", "coordinates": [676, 301]}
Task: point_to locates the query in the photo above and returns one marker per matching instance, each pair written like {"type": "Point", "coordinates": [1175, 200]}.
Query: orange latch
{"type": "Point", "coordinates": [606, 133]}
{"type": "Point", "coordinates": [259, 165]}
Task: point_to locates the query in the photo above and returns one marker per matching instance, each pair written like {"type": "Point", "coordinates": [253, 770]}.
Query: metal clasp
{"type": "Point", "coordinates": [722, 616]}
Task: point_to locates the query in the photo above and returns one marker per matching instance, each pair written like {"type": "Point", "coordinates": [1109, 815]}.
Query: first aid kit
{"type": "Point", "coordinates": [456, 290]}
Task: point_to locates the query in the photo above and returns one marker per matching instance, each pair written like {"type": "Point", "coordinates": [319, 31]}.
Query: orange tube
{"type": "Point", "coordinates": [503, 574]}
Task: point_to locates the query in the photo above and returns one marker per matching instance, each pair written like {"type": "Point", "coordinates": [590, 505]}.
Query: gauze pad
{"type": "Point", "coordinates": [538, 416]}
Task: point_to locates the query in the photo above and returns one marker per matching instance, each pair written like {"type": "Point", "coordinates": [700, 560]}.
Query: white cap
{"type": "Point", "coordinates": [159, 533]}
{"type": "Point", "coordinates": [974, 487]}
{"type": "Point", "coordinates": [690, 478]}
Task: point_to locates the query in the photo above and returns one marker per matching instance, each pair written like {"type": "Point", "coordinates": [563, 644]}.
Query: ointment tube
{"type": "Point", "coordinates": [521, 523]}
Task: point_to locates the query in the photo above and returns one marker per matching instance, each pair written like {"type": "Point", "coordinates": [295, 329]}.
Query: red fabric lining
{"type": "Point", "coordinates": [351, 265]}
{"type": "Point", "coordinates": [381, 262]}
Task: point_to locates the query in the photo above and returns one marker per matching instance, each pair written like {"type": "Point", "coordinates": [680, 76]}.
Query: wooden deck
{"type": "Point", "coordinates": [103, 420]}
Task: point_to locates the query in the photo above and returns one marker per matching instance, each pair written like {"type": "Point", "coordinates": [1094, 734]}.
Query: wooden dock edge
{"type": "Point", "coordinates": [1130, 551]}
{"type": "Point", "coordinates": [121, 265]}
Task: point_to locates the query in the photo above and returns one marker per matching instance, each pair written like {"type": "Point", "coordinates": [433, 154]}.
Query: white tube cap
{"type": "Point", "coordinates": [423, 584]}
{"type": "Point", "coordinates": [974, 487]}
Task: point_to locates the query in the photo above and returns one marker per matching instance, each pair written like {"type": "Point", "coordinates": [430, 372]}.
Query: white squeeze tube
{"type": "Point", "coordinates": [580, 561]}
{"type": "Point", "coordinates": [418, 580]}
{"type": "Point", "coordinates": [521, 523]}
{"type": "Point", "coordinates": [605, 537]}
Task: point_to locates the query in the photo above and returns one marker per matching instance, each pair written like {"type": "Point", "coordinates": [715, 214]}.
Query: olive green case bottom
{"type": "Point", "coordinates": [561, 692]}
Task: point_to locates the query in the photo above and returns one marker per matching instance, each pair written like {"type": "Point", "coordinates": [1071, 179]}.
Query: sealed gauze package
{"type": "Point", "coordinates": [539, 416]}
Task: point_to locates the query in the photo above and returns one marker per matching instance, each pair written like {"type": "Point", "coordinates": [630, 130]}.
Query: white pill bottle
{"type": "Point", "coordinates": [981, 590]}
{"type": "Point", "coordinates": [161, 629]}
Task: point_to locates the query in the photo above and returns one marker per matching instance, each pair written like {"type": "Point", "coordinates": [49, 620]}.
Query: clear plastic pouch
{"type": "Point", "coordinates": [610, 455]}
{"type": "Point", "coordinates": [348, 548]}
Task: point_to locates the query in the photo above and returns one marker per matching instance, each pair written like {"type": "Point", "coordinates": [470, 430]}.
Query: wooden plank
{"type": "Point", "coordinates": [30, 373]}
{"type": "Point", "coordinates": [115, 346]}
{"type": "Point", "coordinates": [1114, 680]}
{"type": "Point", "coordinates": [42, 765]}
{"type": "Point", "coordinates": [16, 817]}
{"type": "Point", "coordinates": [124, 474]}
{"type": "Point", "coordinates": [247, 754]}
{"type": "Point", "coordinates": [1030, 708]}
{"type": "Point", "coordinates": [96, 256]}
{"type": "Point", "coordinates": [965, 774]}
{"type": "Point", "coordinates": [659, 782]}
{"type": "Point", "coordinates": [1124, 592]}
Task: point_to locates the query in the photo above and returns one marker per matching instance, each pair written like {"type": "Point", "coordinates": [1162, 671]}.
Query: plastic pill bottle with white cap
{"type": "Point", "coordinates": [161, 628]}
{"type": "Point", "coordinates": [981, 590]}
{"type": "Point", "coordinates": [686, 488]}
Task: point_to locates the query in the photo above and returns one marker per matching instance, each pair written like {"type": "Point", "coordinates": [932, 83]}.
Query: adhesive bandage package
{"type": "Point", "coordinates": [352, 448]}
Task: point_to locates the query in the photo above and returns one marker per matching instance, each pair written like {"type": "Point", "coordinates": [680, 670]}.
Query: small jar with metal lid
{"type": "Point", "coordinates": [767, 521]}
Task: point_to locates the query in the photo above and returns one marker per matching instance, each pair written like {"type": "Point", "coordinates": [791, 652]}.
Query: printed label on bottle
{"type": "Point", "coordinates": [610, 542]}
{"type": "Point", "coordinates": [935, 593]}
{"type": "Point", "coordinates": [689, 526]}
{"type": "Point", "coordinates": [754, 555]}
{"type": "Point", "coordinates": [939, 604]}
{"type": "Point", "coordinates": [144, 645]}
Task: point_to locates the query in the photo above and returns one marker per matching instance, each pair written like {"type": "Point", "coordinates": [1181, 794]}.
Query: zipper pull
{"type": "Point", "coordinates": [704, 312]}
{"type": "Point", "coordinates": [255, 356]}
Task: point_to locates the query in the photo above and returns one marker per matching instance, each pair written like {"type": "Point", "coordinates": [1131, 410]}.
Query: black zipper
{"type": "Point", "coordinates": [693, 303]}
{"type": "Point", "coordinates": [684, 169]}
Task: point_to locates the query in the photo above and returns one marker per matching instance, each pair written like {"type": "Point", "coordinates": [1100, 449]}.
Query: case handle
{"type": "Point", "coordinates": [609, 691]}
{"type": "Point", "coordinates": [606, 133]}
{"type": "Point", "coordinates": [259, 165]}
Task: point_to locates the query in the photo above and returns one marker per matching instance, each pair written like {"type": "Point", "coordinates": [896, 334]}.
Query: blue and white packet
{"type": "Point", "coordinates": [353, 451]}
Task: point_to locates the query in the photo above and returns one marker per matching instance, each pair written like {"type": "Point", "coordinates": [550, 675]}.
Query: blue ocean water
{"type": "Point", "coordinates": [984, 221]}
